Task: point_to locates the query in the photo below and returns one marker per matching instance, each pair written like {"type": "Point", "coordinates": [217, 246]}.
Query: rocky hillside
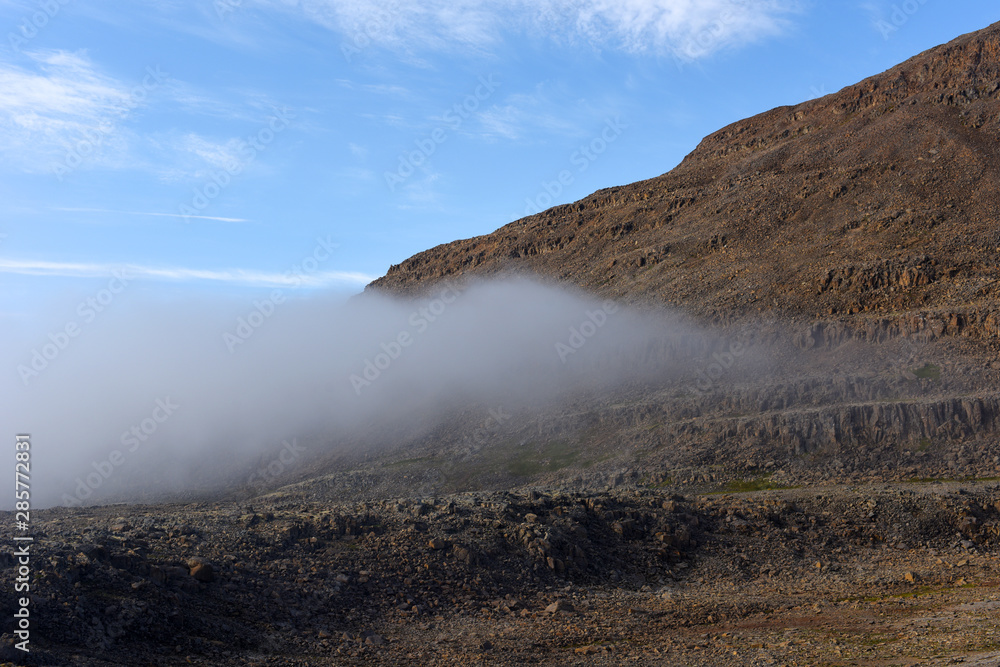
{"type": "Point", "coordinates": [879, 198]}
{"type": "Point", "coordinates": [850, 242]}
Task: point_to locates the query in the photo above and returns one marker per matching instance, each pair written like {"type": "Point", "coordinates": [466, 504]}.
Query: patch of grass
{"type": "Point", "coordinates": [586, 463]}
{"type": "Point", "coordinates": [928, 371]}
{"type": "Point", "coordinates": [550, 457]}
{"type": "Point", "coordinates": [921, 590]}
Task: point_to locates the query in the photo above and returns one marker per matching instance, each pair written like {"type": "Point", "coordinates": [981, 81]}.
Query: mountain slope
{"type": "Point", "coordinates": [880, 198]}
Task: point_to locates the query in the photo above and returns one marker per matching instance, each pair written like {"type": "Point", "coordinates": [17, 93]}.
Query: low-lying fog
{"type": "Point", "coordinates": [148, 394]}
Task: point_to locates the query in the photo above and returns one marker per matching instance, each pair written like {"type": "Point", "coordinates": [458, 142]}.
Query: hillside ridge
{"type": "Point", "coordinates": [839, 205]}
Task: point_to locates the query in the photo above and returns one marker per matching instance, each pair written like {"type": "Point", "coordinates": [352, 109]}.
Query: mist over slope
{"type": "Point", "coordinates": [860, 228]}
{"type": "Point", "coordinates": [855, 235]}
{"type": "Point", "coordinates": [165, 396]}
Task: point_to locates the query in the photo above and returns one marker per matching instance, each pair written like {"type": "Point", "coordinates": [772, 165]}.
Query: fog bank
{"type": "Point", "coordinates": [152, 393]}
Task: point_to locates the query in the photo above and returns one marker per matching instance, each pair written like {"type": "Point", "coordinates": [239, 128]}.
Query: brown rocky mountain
{"type": "Point", "coordinates": [881, 198]}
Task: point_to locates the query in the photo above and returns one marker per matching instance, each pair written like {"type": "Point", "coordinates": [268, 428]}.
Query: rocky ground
{"type": "Point", "coordinates": [877, 574]}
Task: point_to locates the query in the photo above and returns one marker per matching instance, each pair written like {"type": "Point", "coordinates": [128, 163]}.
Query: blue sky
{"type": "Point", "coordinates": [244, 145]}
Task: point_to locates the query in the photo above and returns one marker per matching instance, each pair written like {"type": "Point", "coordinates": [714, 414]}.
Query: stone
{"type": "Point", "coordinates": [559, 605]}
{"type": "Point", "coordinates": [203, 572]}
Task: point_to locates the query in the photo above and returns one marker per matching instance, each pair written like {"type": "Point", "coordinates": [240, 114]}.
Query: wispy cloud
{"type": "Point", "coordinates": [158, 215]}
{"type": "Point", "coordinates": [58, 108]}
{"type": "Point", "coordinates": [68, 85]}
{"type": "Point", "coordinates": [376, 88]}
{"type": "Point", "coordinates": [550, 112]}
{"type": "Point", "coordinates": [243, 106]}
{"type": "Point", "coordinates": [46, 109]}
{"type": "Point", "coordinates": [421, 192]}
{"type": "Point", "coordinates": [197, 157]}
{"type": "Point", "coordinates": [684, 28]}
{"type": "Point", "coordinates": [245, 277]}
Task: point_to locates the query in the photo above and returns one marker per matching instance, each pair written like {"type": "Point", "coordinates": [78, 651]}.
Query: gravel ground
{"type": "Point", "coordinates": [900, 574]}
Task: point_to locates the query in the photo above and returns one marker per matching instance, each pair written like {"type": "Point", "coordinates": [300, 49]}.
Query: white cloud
{"type": "Point", "coordinates": [180, 157]}
{"type": "Point", "coordinates": [59, 103]}
{"type": "Point", "coordinates": [687, 29]}
{"type": "Point", "coordinates": [68, 86]}
{"type": "Point", "coordinates": [219, 155]}
{"type": "Point", "coordinates": [435, 24]}
{"type": "Point", "coordinates": [59, 111]}
{"type": "Point", "coordinates": [553, 112]}
{"type": "Point", "coordinates": [421, 192]}
{"type": "Point", "coordinates": [244, 277]}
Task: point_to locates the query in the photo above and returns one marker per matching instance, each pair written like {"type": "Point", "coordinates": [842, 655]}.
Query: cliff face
{"type": "Point", "coordinates": [880, 198]}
